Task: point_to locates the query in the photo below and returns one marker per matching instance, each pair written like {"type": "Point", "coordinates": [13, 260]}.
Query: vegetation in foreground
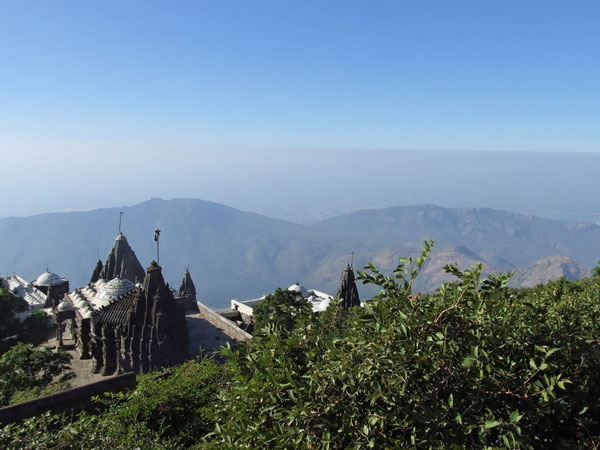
{"type": "Point", "coordinates": [27, 372]}
{"type": "Point", "coordinates": [477, 365]}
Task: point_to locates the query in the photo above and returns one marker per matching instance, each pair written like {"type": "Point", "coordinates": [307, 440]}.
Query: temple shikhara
{"type": "Point", "coordinates": [127, 319]}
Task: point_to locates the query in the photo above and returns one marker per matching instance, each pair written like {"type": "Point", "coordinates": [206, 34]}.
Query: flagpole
{"type": "Point", "coordinates": [156, 236]}
{"type": "Point", "coordinates": [120, 216]}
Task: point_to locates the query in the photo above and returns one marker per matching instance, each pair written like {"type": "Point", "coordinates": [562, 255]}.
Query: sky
{"type": "Point", "coordinates": [107, 103]}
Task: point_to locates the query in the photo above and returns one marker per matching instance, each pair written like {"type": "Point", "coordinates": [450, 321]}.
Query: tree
{"type": "Point", "coordinates": [10, 306]}
{"type": "Point", "coordinates": [25, 367]}
{"type": "Point", "coordinates": [33, 329]}
{"type": "Point", "coordinates": [282, 310]}
{"type": "Point", "coordinates": [597, 270]}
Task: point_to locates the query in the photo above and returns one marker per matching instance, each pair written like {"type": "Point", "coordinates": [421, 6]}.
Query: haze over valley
{"type": "Point", "coordinates": [301, 185]}
{"type": "Point", "coordinates": [237, 254]}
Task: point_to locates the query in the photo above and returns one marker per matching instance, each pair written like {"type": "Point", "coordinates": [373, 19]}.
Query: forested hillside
{"type": "Point", "coordinates": [237, 254]}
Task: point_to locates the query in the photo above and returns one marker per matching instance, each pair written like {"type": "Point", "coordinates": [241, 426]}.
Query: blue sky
{"type": "Point", "coordinates": [474, 75]}
{"type": "Point", "coordinates": [140, 79]}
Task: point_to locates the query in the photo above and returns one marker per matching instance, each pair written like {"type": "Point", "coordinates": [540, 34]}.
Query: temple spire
{"type": "Point", "coordinates": [187, 285]}
{"type": "Point", "coordinates": [122, 262]}
{"type": "Point", "coordinates": [348, 291]}
{"type": "Point", "coordinates": [97, 271]}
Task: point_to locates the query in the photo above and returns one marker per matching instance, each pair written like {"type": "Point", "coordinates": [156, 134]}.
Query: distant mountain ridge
{"type": "Point", "coordinates": [237, 254]}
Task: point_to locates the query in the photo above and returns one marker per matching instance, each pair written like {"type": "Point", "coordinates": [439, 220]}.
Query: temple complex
{"type": "Point", "coordinates": [32, 295]}
{"type": "Point", "coordinates": [127, 319]}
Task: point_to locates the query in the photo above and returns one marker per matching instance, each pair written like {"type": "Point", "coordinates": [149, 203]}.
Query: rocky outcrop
{"type": "Point", "coordinates": [546, 269]}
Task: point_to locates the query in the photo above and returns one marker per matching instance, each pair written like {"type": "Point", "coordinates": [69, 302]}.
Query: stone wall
{"type": "Point", "coordinates": [230, 328]}
{"type": "Point", "coordinates": [69, 402]}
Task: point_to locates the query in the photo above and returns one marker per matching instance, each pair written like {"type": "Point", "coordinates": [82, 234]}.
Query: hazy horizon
{"type": "Point", "coordinates": [320, 184]}
{"type": "Point", "coordinates": [300, 110]}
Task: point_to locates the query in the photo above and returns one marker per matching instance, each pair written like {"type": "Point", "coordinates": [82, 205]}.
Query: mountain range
{"type": "Point", "coordinates": [238, 254]}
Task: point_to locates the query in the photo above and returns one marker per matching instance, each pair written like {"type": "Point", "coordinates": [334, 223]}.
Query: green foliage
{"type": "Point", "coordinates": [475, 365]}
{"type": "Point", "coordinates": [24, 367]}
{"type": "Point", "coordinates": [178, 408]}
{"type": "Point", "coordinates": [597, 270]}
{"type": "Point", "coordinates": [282, 310]}
{"type": "Point", "coordinates": [174, 409]}
{"type": "Point", "coordinates": [10, 306]}
{"type": "Point", "coordinates": [34, 329]}
{"type": "Point", "coordinates": [40, 391]}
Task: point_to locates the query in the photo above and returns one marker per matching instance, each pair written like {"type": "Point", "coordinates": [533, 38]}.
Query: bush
{"type": "Point", "coordinates": [25, 368]}
{"type": "Point", "coordinates": [476, 365]}
{"type": "Point", "coordinates": [282, 309]}
{"type": "Point", "coordinates": [34, 329]}
{"type": "Point", "coordinates": [174, 409]}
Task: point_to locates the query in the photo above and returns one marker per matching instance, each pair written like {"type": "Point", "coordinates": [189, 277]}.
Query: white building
{"type": "Point", "coordinates": [319, 300]}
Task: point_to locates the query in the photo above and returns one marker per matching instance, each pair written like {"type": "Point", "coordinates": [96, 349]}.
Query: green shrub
{"type": "Point", "coordinates": [476, 365]}
{"type": "Point", "coordinates": [170, 410]}
{"type": "Point", "coordinates": [281, 309]}
{"type": "Point", "coordinates": [25, 368]}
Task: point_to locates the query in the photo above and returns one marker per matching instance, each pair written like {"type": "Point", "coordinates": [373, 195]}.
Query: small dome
{"type": "Point", "coordinates": [64, 306]}
{"type": "Point", "coordinates": [87, 314]}
{"type": "Point", "coordinates": [114, 288]}
{"type": "Point", "coordinates": [298, 288]}
{"type": "Point", "coordinates": [48, 279]}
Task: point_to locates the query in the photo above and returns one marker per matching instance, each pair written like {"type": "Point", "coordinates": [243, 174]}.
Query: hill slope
{"type": "Point", "coordinates": [546, 269]}
{"type": "Point", "coordinates": [236, 254]}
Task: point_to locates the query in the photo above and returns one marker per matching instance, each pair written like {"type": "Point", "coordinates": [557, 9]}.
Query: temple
{"type": "Point", "coordinates": [348, 292]}
{"type": "Point", "coordinates": [127, 319]}
{"type": "Point", "coordinates": [143, 331]}
{"type": "Point", "coordinates": [186, 296]}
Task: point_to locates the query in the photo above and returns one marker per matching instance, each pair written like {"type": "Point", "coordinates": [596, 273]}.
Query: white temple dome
{"type": "Point", "coordinates": [48, 279]}
{"type": "Point", "coordinates": [299, 289]}
{"type": "Point", "coordinates": [113, 289]}
{"type": "Point", "coordinates": [64, 306]}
